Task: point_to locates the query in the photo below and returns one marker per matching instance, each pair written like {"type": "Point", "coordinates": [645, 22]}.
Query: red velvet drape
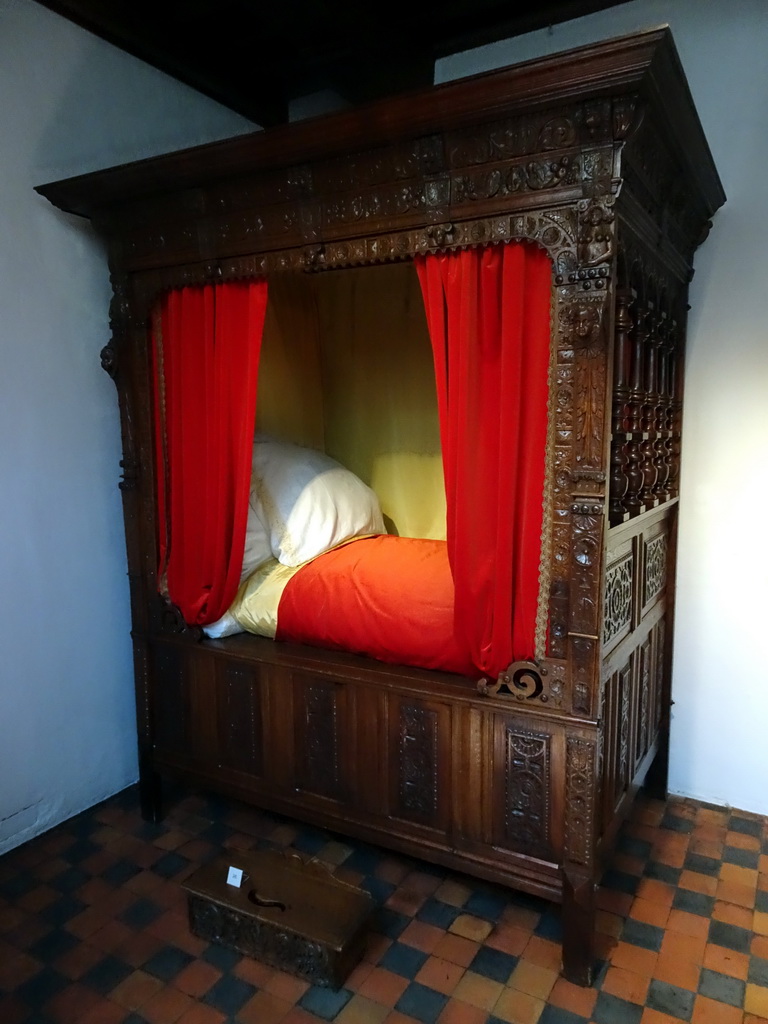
{"type": "Point", "coordinates": [488, 311]}
{"type": "Point", "coordinates": [207, 341]}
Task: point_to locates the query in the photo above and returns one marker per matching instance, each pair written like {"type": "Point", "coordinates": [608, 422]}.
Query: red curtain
{"type": "Point", "coordinates": [488, 311]}
{"type": "Point", "coordinates": [207, 341]}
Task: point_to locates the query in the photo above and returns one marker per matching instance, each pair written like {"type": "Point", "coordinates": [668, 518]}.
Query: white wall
{"type": "Point", "coordinates": [720, 684]}
{"type": "Point", "coordinates": [69, 103]}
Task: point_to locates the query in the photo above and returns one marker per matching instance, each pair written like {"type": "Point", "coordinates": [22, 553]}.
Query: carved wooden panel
{"type": "Point", "coordinates": [655, 574]}
{"type": "Point", "coordinates": [661, 693]}
{"type": "Point", "coordinates": [646, 671]}
{"type": "Point", "coordinates": [625, 705]}
{"type": "Point", "coordinates": [619, 715]}
{"type": "Point", "coordinates": [581, 797]}
{"type": "Point", "coordinates": [249, 934]}
{"type": "Point", "coordinates": [522, 805]}
{"type": "Point", "coordinates": [619, 589]}
{"type": "Point", "coordinates": [239, 719]}
{"type": "Point", "coordinates": [170, 699]}
{"type": "Point", "coordinates": [417, 762]}
{"type": "Point", "coordinates": [318, 736]}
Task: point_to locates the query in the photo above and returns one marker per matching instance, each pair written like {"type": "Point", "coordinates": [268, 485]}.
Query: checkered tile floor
{"type": "Point", "coordinates": [93, 929]}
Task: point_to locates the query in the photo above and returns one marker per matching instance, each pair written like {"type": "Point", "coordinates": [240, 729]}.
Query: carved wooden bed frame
{"type": "Point", "coordinates": [598, 156]}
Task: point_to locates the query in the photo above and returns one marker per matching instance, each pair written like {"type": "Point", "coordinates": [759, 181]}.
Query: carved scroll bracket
{"type": "Point", "coordinates": [541, 682]}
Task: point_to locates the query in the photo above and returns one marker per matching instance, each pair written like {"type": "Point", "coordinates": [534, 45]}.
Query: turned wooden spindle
{"type": "Point", "coordinates": [647, 330]}
{"type": "Point", "coordinates": [675, 415]}
{"type": "Point", "coordinates": [637, 373]}
{"type": "Point", "coordinates": [622, 365]}
{"type": "Point", "coordinates": [651, 386]}
{"type": "Point", "coordinates": [663, 452]}
{"type": "Point", "coordinates": [620, 418]}
{"type": "Point", "coordinates": [634, 474]}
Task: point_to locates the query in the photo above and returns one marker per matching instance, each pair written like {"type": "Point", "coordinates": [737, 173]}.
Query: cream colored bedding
{"type": "Point", "coordinates": [255, 606]}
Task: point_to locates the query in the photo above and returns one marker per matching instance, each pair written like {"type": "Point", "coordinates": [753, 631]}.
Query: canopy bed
{"type": "Point", "coordinates": [535, 228]}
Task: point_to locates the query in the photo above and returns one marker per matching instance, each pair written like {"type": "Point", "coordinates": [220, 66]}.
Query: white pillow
{"type": "Point", "coordinates": [227, 625]}
{"type": "Point", "coordinates": [257, 547]}
{"type": "Point", "coordinates": [308, 501]}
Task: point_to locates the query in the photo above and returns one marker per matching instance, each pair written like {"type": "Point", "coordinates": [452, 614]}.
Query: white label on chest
{"type": "Point", "coordinates": [235, 877]}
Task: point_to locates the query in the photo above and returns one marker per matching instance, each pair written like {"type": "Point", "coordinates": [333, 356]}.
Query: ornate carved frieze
{"type": "Point", "coordinates": [418, 762]}
{"type": "Point", "coordinates": [527, 789]}
{"type": "Point", "coordinates": [553, 229]}
{"type": "Point", "coordinates": [526, 176]}
{"type": "Point", "coordinates": [580, 800]}
{"type": "Point", "coordinates": [527, 134]}
{"type": "Point", "coordinates": [281, 947]}
{"type": "Point", "coordinates": [619, 583]}
{"type": "Point", "coordinates": [655, 571]}
{"type": "Point", "coordinates": [422, 180]}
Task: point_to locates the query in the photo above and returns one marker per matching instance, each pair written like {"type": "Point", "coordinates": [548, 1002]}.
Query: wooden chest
{"type": "Point", "coordinates": [288, 912]}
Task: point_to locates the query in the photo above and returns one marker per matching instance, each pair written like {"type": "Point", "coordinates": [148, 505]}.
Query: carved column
{"type": "Point", "coordinates": [582, 800]}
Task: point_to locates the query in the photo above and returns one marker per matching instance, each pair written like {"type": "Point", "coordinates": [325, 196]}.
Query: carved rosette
{"type": "Point", "coordinates": [618, 598]}
{"type": "Point", "coordinates": [581, 798]}
{"type": "Point", "coordinates": [527, 789]}
{"type": "Point", "coordinates": [655, 575]}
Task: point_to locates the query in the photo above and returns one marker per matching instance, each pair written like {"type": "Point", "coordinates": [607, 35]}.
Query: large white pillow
{"type": "Point", "coordinates": [308, 502]}
{"type": "Point", "coordinates": [257, 547]}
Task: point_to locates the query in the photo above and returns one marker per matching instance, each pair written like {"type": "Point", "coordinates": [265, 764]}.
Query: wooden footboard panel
{"type": "Point", "coordinates": [411, 760]}
{"type": "Point", "coordinates": [636, 666]}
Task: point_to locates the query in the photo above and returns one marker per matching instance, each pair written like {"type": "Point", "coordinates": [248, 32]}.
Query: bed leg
{"type": "Point", "coordinates": [150, 793]}
{"type": "Point", "coordinates": [579, 911]}
{"type": "Point", "coordinates": [656, 779]}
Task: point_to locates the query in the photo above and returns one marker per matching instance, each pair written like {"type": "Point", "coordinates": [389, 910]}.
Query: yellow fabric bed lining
{"type": "Point", "coordinates": [347, 368]}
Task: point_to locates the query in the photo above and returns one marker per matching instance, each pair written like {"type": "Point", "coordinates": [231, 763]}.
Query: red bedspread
{"type": "Point", "coordinates": [388, 597]}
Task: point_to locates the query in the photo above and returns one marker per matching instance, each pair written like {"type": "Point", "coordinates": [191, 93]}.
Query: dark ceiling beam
{"type": "Point", "coordinates": [255, 57]}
